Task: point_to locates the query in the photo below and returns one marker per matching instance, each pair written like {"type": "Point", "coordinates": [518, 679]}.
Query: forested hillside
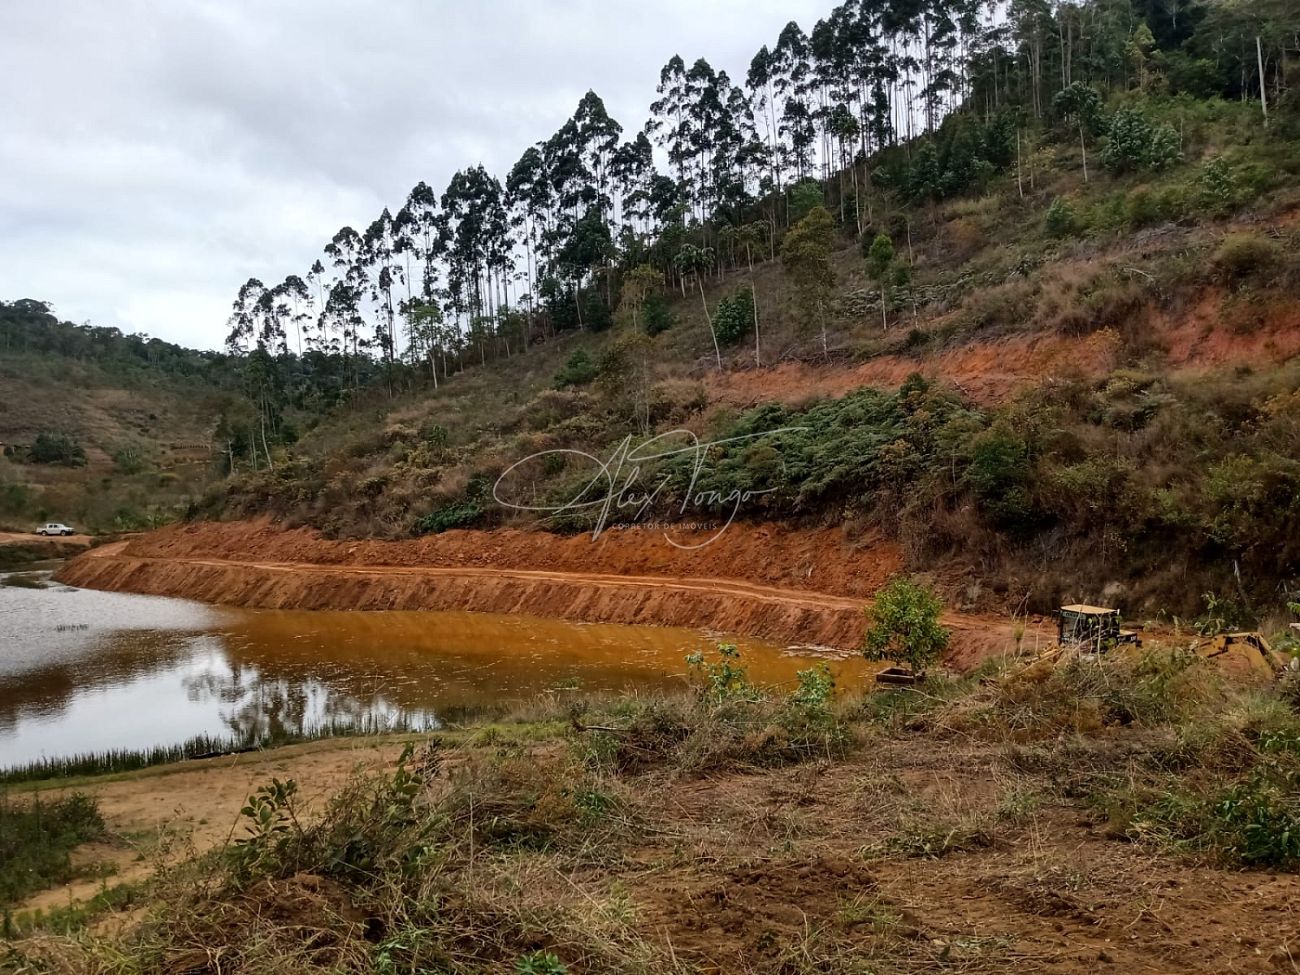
{"type": "Point", "coordinates": [1024, 277]}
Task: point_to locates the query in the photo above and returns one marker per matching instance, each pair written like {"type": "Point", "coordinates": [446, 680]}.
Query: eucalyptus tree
{"type": "Point", "coordinates": [568, 185]}
{"type": "Point", "coordinates": [707, 116]}
{"type": "Point", "coordinates": [749, 238]}
{"type": "Point", "coordinates": [272, 337]}
{"type": "Point", "coordinates": [422, 221]}
{"type": "Point", "coordinates": [826, 78]}
{"type": "Point", "coordinates": [345, 253]}
{"type": "Point", "coordinates": [741, 154]}
{"type": "Point", "coordinates": [791, 69]}
{"type": "Point", "coordinates": [385, 273]}
{"type": "Point", "coordinates": [845, 132]}
{"type": "Point", "coordinates": [698, 261]}
{"type": "Point", "coordinates": [633, 170]}
{"type": "Point", "coordinates": [598, 145]}
{"type": "Point", "coordinates": [316, 282]}
{"type": "Point", "coordinates": [598, 141]}
{"type": "Point", "coordinates": [294, 299]}
{"type": "Point", "coordinates": [405, 247]}
{"type": "Point", "coordinates": [806, 255]}
{"type": "Point", "coordinates": [880, 260]}
{"type": "Point", "coordinates": [475, 230]}
{"type": "Point", "coordinates": [527, 202]}
{"type": "Point", "coordinates": [761, 82]}
{"type": "Point", "coordinates": [245, 317]}
{"type": "Point", "coordinates": [343, 310]}
{"type": "Point", "coordinates": [800, 131]}
{"type": "Point", "coordinates": [1080, 106]}
{"type": "Point", "coordinates": [670, 121]}
{"type": "Point", "coordinates": [1032, 29]}
{"type": "Point", "coordinates": [256, 336]}
{"type": "Point", "coordinates": [427, 335]}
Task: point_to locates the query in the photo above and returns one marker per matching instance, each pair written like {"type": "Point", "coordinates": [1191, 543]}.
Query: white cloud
{"type": "Point", "coordinates": [153, 156]}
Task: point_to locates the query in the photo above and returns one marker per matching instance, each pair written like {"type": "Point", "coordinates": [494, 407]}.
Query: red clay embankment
{"type": "Point", "coordinates": [797, 586]}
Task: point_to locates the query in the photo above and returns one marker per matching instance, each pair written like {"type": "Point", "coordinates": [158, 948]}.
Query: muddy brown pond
{"type": "Point", "coordinates": [83, 671]}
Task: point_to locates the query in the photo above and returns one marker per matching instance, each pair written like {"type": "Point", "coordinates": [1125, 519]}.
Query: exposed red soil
{"type": "Point", "coordinates": [806, 586]}
{"type": "Point", "coordinates": [1218, 333]}
{"type": "Point", "coordinates": [1214, 332]}
{"type": "Point", "coordinates": [817, 559]}
{"type": "Point", "coordinates": [987, 372]}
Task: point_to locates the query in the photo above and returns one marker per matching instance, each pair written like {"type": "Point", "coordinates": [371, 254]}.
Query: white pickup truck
{"type": "Point", "coordinates": [54, 528]}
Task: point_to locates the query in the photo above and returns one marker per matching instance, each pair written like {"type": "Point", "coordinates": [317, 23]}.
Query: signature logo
{"type": "Point", "coordinates": [621, 488]}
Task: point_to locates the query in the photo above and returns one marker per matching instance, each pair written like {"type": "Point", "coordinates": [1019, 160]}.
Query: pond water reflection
{"type": "Point", "coordinates": [85, 671]}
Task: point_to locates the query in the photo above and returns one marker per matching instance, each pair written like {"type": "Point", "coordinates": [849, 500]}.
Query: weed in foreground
{"type": "Point", "coordinates": [37, 838]}
{"type": "Point", "coordinates": [725, 722]}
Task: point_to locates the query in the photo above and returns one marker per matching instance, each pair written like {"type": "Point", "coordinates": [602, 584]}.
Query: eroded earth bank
{"type": "Point", "coordinates": [800, 586]}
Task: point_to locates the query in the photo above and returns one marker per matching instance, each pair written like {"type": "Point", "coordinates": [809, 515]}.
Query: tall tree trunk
{"type": "Point", "coordinates": [1263, 94]}
{"type": "Point", "coordinates": [753, 288]}
{"type": "Point", "coordinates": [1084, 146]}
{"type": "Point", "coordinates": [717, 350]}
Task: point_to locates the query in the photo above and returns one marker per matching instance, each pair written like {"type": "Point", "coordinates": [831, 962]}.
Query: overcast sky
{"type": "Point", "coordinates": [154, 155]}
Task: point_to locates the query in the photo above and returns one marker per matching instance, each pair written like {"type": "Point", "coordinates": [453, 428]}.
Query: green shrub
{"type": "Point", "coordinates": [1258, 821]}
{"type": "Point", "coordinates": [721, 680]}
{"type": "Point", "coordinates": [540, 963]}
{"type": "Point", "coordinates": [1218, 190]}
{"type": "Point", "coordinates": [579, 370]}
{"type": "Point", "coordinates": [1000, 476]}
{"type": "Point", "coordinates": [657, 314]}
{"type": "Point", "coordinates": [462, 514]}
{"type": "Point", "coordinates": [727, 722]}
{"type": "Point", "coordinates": [1135, 143]}
{"type": "Point", "coordinates": [734, 319]}
{"type": "Point", "coordinates": [434, 435]}
{"type": "Point", "coordinates": [1061, 220]}
{"type": "Point", "coordinates": [1145, 207]}
{"type": "Point", "coordinates": [903, 625]}
{"type": "Point", "coordinates": [804, 198]}
{"type": "Point", "coordinates": [128, 460]}
{"type": "Point", "coordinates": [56, 448]}
{"type": "Point", "coordinates": [1241, 256]}
{"type": "Point", "coordinates": [14, 498]}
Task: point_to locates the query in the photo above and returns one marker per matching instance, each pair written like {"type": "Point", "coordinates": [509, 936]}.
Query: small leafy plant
{"type": "Point", "coordinates": [540, 963]}
{"type": "Point", "coordinates": [904, 625]}
{"type": "Point", "coordinates": [721, 680]}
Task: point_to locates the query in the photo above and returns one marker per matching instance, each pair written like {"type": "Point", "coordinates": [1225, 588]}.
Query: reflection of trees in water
{"type": "Point", "coordinates": [254, 701]}
{"type": "Point", "coordinates": [287, 672]}
{"type": "Point", "coordinates": [276, 707]}
{"type": "Point", "coordinates": [110, 660]}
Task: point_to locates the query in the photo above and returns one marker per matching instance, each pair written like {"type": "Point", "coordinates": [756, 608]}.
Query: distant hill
{"type": "Point", "coordinates": [124, 423]}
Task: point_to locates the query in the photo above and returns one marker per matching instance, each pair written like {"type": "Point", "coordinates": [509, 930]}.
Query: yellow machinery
{"type": "Point", "coordinates": [1251, 650]}
{"type": "Point", "coordinates": [1094, 627]}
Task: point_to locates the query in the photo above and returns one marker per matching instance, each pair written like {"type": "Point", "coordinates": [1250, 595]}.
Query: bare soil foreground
{"type": "Point", "coordinates": [1029, 819]}
{"type": "Point", "coordinates": [805, 586]}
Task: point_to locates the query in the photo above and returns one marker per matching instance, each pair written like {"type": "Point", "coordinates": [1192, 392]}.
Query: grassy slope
{"type": "Point", "coordinates": [1133, 364]}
